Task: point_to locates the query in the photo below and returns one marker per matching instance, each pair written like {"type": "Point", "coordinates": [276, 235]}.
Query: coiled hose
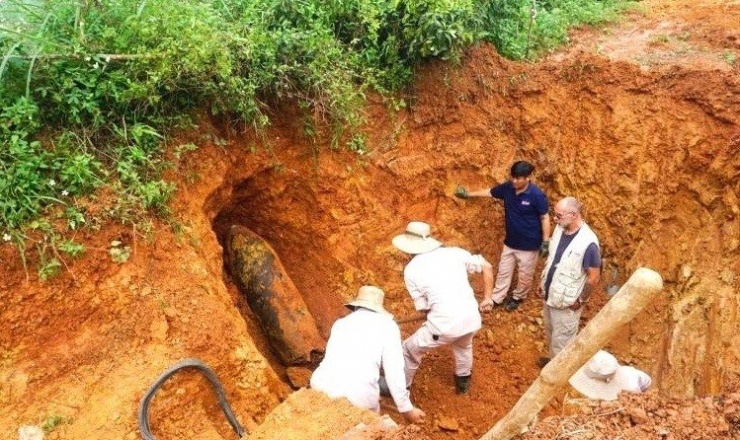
{"type": "Point", "coordinates": [143, 415]}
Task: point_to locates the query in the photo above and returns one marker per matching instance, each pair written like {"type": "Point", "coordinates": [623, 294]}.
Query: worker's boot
{"type": "Point", "coordinates": [462, 384]}
{"type": "Point", "coordinates": [512, 304]}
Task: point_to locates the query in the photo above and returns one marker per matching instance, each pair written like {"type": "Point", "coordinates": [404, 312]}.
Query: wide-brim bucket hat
{"type": "Point", "coordinates": [369, 297]}
{"type": "Point", "coordinates": [417, 239]}
{"type": "Point", "coordinates": [597, 379]}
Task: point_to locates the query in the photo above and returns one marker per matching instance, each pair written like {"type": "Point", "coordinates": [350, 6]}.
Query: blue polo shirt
{"type": "Point", "coordinates": [523, 214]}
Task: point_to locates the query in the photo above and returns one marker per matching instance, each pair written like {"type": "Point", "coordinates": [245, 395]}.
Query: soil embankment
{"type": "Point", "coordinates": [648, 138]}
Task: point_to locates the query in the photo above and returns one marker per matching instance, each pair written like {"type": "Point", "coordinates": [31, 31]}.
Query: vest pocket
{"type": "Point", "coordinates": [564, 289]}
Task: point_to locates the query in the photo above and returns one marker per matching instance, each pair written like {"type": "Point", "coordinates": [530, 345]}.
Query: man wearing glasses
{"type": "Point", "coordinates": [527, 232]}
{"type": "Point", "coordinates": [571, 273]}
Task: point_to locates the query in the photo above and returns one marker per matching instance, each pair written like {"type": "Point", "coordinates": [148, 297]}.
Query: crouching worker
{"type": "Point", "coordinates": [359, 345]}
{"type": "Point", "coordinates": [602, 378]}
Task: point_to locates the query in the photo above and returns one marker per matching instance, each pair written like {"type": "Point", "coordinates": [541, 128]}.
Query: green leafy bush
{"type": "Point", "coordinates": [526, 28]}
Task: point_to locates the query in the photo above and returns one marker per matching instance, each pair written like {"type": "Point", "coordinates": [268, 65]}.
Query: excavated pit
{"type": "Point", "coordinates": [641, 123]}
{"type": "Point", "coordinates": [653, 155]}
{"type": "Point", "coordinates": [253, 203]}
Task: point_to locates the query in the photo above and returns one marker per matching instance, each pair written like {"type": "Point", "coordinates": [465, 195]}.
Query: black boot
{"type": "Point", "coordinates": [462, 384]}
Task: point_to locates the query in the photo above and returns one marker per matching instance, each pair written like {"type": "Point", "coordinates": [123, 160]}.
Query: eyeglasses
{"type": "Point", "coordinates": [558, 215]}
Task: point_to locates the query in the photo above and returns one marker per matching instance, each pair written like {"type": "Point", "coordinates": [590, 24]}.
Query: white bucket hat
{"type": "Point", "coordinates": [417, 239]}
{"type": "Point", "coordinates": [597, 379]}
{"type": "Point", "coordinates": [369, 297]}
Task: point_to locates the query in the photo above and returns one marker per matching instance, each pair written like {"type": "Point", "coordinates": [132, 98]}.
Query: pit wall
{"type": "Point", "coordinates": [653, 155]}
{"type": "Point", "coordinates": [81, 349]}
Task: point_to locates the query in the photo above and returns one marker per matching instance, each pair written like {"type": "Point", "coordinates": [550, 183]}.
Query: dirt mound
{"type": "Point", "coordinates": [309, 415]}
{"type": "Point", "coordinates": [646, 416]}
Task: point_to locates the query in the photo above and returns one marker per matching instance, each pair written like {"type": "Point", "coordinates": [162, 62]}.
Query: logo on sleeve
{"type": "Point", "coordinates": [526, 203]}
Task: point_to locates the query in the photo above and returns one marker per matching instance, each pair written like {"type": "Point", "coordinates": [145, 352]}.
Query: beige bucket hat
{"type": "Point", "coordinates": [369, 297]}
{"type": "Point", "coordinates": [417, 239]}
{"type": "Point", "coordinates": [597, 379]}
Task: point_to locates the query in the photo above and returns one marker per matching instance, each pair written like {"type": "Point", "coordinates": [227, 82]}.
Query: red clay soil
{"type": "Point", "coordinates": [641, 121]}
{"type": "Point", "coordinates": [647, 416]}
{"type": "Point", "coordinates": [312, 414]}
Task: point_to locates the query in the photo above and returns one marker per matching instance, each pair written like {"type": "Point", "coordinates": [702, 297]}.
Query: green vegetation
{"type": "Point", "coordinates": [527, 28]}
{"type": "Point", "coordinates": [90, 90]}
{"type": "Point", "coordinates": [729, 56]}
{"type": "Point", "coordinates": [119, 252]}
{"type": "Point", "coordinates": [53, 421]}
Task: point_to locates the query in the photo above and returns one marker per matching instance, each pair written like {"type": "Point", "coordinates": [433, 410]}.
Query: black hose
{"type": "Point", "coordinates": [143, 415]}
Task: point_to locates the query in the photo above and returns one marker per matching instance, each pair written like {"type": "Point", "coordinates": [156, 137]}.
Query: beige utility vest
{"type": "Point", "coordinates": [569, 277]}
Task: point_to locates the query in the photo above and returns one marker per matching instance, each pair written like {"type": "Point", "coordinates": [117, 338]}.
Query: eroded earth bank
{"type": "Point", "coordinates": [642, 124]}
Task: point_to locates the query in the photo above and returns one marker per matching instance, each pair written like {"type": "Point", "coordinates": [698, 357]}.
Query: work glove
{"type": "Point", "coordinates": [545, 248]}
{"type": "Point", "coordinates": [461, 192]}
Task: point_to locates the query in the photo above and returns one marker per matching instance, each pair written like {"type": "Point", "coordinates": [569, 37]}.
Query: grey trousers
{"type": "Point", "coordinates": [561, 327]}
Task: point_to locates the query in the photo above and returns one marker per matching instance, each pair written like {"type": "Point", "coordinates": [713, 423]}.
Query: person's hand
{"type": "Point", "coordinates": [415, 416]}
{"type": "Point", "coordinates": [461, 192]}
{"type": "Point", "coordinates": [577, 305]}
{"type": "Point", "coordinates": [486, 305]}
{"type": "Point", "coordinates": [545, 248]}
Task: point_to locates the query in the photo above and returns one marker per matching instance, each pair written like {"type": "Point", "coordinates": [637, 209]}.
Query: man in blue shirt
{"type": "Point", "coordinates": [527, 225]}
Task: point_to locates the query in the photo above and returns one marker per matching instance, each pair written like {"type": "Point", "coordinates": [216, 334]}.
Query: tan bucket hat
{"type": "Point", "coordinates": [597, 379]}
{"type": "Point", "coordinates": [369, 297]}
{"type": "Point", "coordinates": [417, 239]}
